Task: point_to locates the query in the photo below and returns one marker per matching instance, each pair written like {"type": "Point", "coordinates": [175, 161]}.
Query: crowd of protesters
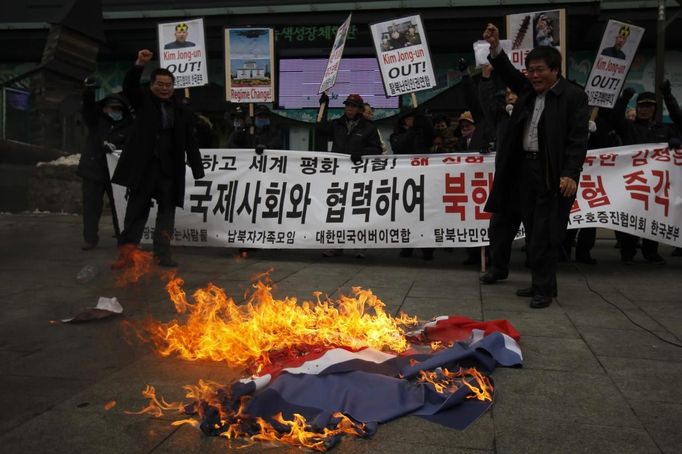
{"type": "Point", "coordinates": [504, 114]}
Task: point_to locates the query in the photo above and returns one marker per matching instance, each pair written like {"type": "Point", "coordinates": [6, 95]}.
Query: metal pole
{"type": "Point", "coordinates": [660, 58]}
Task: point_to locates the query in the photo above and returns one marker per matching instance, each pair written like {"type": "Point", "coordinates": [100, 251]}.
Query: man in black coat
{"type": "Point", "coordinates": [109, 122]}
{"type": "Point", "coordinates": [644, 129]}
{"type": "Point", "coordinates": [351, 133]}
{"type": "Point", "coordinates": [545, 145]}
{"type": "Point", "coordinates": [152, 165]}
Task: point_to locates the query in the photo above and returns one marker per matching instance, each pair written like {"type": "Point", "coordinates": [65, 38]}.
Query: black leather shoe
{"type": "Point", "coordinates": [539, 301]}
{"type": "Point", "coordinates": [525, 292]}
{"type": "Point", "coordinates": [491, 277]}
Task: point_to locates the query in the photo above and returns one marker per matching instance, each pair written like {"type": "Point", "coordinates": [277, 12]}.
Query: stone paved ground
{"type": "Point", "coordinates": [592, 382]}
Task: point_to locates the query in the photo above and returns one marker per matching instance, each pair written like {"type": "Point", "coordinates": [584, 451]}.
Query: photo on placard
{"type": "Point", "coordinates": [177, 36]}
{"type": "Point", "coordinates": [621, 41]}
{"type": "Point", "coordinates": [547, 29]}
{"type": "Point", "coordinates": [250, 57]}
{"type": "Point", "coordinates": [399, 35]}
{"type": "Point", "coordinates": [533, 29]}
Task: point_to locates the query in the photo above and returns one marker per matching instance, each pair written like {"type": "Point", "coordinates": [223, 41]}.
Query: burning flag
{"type": "Point", "coordinates": [325, 369]}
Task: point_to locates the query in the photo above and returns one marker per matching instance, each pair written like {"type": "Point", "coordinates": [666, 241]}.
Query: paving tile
{"type": "Point", "coordinates": [655, 381]}
{"type": "Point", "coordinates": [662, 421]}
{"type": "Point", "coordinates": [547, 353]}
{"type": "Point", "coordinates": [103, 432]}
{"type": "Point", "coordinates": [527, 435]}
{"type": "Point", "coordinates": [630, 344]}
{"type": "Point", "coordinates": [24, 398]}
{"type": "Point", "coordinates": [536, 323]}
{"type": "Point", "coordinates": [570, 398]}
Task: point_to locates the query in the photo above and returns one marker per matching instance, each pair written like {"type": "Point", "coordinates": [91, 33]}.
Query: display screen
{"type": "Point", "coordinates": [300, 78]}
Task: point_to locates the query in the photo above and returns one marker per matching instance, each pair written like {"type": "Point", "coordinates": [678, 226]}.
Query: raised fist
{"type": "Point", "coordinates": [143, 57]}
{"type": "Point", "coordinates": [492, 35]}
{"type": "Point", "coordinates": [665, 87]}
{"type": "Point", "coordinates": [324, 99]}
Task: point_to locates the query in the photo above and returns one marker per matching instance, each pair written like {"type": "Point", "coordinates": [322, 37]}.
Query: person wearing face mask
{"type": "Point", "coordinates": [644, 129]}
{"type": "Point", "coordinates": [266, 134]}
{"type": "Point", "coordinates": [109, 122]}
{"type": "Point", "coordinates": [152, 164]}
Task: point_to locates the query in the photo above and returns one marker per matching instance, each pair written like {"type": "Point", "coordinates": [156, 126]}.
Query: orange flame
{"type": "Point", "coordinates": [233, 423]}
{"type": "Point", "coordinates": [218, 329]}
{"type": "Point", "coordinates": [445, 381]}
{"type": "Point", "coordinates": [134, 262]}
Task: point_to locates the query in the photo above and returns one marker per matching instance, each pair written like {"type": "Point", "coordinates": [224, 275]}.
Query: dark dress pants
{"type": "Point", "coordinates": [502, 232]}
{"type": "Point", "coordinates": [628, 246]}
{"type": "Point", "coordinates": [586, 240]}
{"type": "Point", "coordinates": [93, 202]}
{"type": "Point", "coordinates": [159, 187]}
{"type": "Point", "coordinates": [545, 215]}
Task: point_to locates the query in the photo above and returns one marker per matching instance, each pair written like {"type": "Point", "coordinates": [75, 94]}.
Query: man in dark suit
{"type": "Point", "coordinates": [152, 164]}
{"type": "Point", "coordinates": [542, 153]}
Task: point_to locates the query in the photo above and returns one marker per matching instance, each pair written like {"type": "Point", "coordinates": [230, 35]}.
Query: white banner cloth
{"type": "Point", "coordinates": [297, 199]}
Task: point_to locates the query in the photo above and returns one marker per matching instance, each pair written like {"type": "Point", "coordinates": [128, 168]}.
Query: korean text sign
{"type": "Point", "coordinates": [329, 78]}
{"type": "Point", "coordinates": [182, 51]}
{"type": "Point", "coordinates": [403, 55]}
{"type": "Point", "coordinates": [296, 199]}
{"type": "Point", "coordinates": [614, 57]}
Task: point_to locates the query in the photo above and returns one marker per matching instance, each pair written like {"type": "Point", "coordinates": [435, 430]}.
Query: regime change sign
{"type": "Point", "coordinates": [616, 52]}
{"type": "Point", "coordinates": [403, 55]}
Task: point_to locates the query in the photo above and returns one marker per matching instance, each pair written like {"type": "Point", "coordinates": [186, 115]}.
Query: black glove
{"type": "Point", "coordinates": [665, 87]}
{"type": "Point", "coordinates": [324, 99]}
{"type": "Point", "coordinates": [91, 82]}
{"type": "Point", "coordinates": [356, 158]}
{"type": "Point", "coordinates": [462, 65]}
{"type": "Point", "coordinates": [628, 93]}
{"type": "Point", "coordinates": [674, 143]}
{"type": "Point", "coordinates": [260, 148]}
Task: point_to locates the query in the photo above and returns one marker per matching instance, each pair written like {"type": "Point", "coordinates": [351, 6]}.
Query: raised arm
{"type": "Point", "coordinates": [131, 82]}
{"type": "Point", "coordinates": [512, 77]}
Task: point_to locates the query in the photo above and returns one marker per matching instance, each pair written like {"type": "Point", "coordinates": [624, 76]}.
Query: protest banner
{"type": "Point", "coordinates": [403, 55]}
{"type": "Point", "coordinates": [611, 66]}
{"type": "Point", "coordinates": [249, 65]}
{"type": "Point", "coordinates": [329, 78]}
{"type": "Point", "coordinates": [539, 28]}
{"type": "Point", "coordinates": [297, 199]}
{"type": "Point", "coordinates": [182, 51]}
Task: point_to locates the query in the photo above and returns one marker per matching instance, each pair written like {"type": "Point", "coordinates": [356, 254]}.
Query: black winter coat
{"type": "Point", "coordinates": [362, 139]}
{"type": "Point", "coordinates": [562, 134]}
{"type": "Point", "coordinates": [101, 129]}
{"type": "Point", "coordinates": [139, 149]}
{"type": "Point", "coordinates": [638, 131]}
{"type": "Point", "coordinates": [415, 140]}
